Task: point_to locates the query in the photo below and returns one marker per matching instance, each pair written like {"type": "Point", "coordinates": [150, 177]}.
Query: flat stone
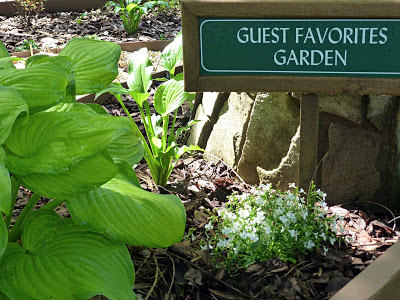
{"type": "Point", "coordinates": [288, 169]}
{"type": "Point", "coordinates": [273, 122]}
{"type": "Point", "coordinates": [349, 172]}
{"type": "Point", "coordinates": [225, 141]}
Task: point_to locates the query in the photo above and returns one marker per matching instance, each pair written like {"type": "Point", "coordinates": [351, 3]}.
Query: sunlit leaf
{"type": "Point", "coordinates": [4, 54]}
{"type": "Point", "coordinates": [60, 260]}
{"type": "Point", "coordinates": [95, 61]}
{"type": "Point", "coordinates": [51, 142]}
{"type": "Point", "coordinates": [84, 176]}
{"type": "Point", "coordinates": [41, 86]}
{"type": "Point", "coordinates": [139, 70]}
{"type": "Point", "coordinates": [11, 106]}
{"type": "Point", "coordinates": [169, 96]}
{"type": "Point", "coordinates": [3, 237]}
{"type": "Point", "coordinates": [172, 54]}
{"type": "Point", "coordinates": [130, 214]}
{"type": "Point", "coordinates": [5, 186]}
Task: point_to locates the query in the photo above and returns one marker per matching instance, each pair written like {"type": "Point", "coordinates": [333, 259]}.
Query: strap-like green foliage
{"type": "Point", "coordinates": [60, 260]}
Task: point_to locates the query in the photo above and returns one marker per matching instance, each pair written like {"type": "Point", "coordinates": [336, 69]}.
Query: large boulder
{"type": "Point", "coordinates": [288, 170]}
{"type": "Point", "coordinates": [206, 115]}
{"type": "Point", "coordinates": [273, 123]}
{"type": "Point", "coordinates": [225, 141]}
{"type": "Point", "coordinates": [349, 172]}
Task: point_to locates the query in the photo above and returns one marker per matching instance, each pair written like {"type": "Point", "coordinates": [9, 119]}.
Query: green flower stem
{"type": "Point", "coordinates": [15, 232]}
{"type": "Point", "coordinates": [14, 194]}
{"type": "Point", "coordinates": [148, 156]}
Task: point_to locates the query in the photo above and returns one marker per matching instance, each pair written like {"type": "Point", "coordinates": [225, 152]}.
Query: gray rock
{"type": "Point", "coordinates": [348, 107]}
{"type": "Point", "coordinates": [288, 170]}
{"type": "Point", "coordinates": [206, 114]}
{"type": "Point", "coordinates": [378, 109]}
{"type": "Point", "coordinates": [349, 172]}
{"type": "Point", "coordinates": [225, 141]}
{"type": "Point", "coordinates": [273, 122]}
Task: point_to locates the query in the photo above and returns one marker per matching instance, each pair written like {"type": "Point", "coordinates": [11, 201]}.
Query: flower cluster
{"type": "Point", "coordinates": [269, 223]}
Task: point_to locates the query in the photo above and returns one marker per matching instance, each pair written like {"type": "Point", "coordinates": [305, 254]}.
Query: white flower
{"type": "Point", "coordinates": [292, 185]}
{"type": "Point", "coordinates": [309, 244]}
{"type": "Point", "coordinates": [323, 236]}
{"type": "Point", "coordinates": [267, 229]}
{"type": "Point", "coordinates": [284, 219]}
{"type": "Point", "coordinates": [244, 213]}
{"type": "Point", "coordinates": [332, 240]}
{"type": "Point", "coordinates": [293, 233]}
{"type": "Point", "coordinates": [208, 226]}
{"type": "Point", "coordinates": [222, 243]}
{"type": "Point", "coordinates": [226, 231]}
{"type": "Point", "coordinates": [291, 216]}
{"type": "Point", "coordinates": [325, 250]}
{"type": "Point", "coordinates": [259, 201]}
{"type": "Point", "coordinates": [302, 191]}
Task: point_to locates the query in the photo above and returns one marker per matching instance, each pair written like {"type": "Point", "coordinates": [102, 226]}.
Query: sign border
{"type": "Point", "coordinates": [192, 10]}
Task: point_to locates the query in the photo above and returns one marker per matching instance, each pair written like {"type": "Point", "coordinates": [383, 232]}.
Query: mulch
{"type": "Point", "coordinates": [183, 271]}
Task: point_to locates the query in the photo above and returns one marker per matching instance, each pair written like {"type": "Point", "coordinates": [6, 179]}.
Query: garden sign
{"type": "Point", "coordinates": [306, 46]}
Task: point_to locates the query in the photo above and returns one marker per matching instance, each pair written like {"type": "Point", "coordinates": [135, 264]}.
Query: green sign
{"type": "Point", "coordinates": [307, 47]}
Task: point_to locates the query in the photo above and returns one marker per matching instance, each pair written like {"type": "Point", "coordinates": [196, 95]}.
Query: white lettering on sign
{"type": "Point", "coordinates": [312, 36]}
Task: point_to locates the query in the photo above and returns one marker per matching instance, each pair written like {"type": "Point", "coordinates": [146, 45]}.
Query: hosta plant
{"type": "Point", "coordinates": [76, 154]}
{"type": "Point", "coordinates": [131, 12]}
{"type": "Point", "coordinates": [269, 223]}
{"type": "Point", "coordinates": [162, 151]}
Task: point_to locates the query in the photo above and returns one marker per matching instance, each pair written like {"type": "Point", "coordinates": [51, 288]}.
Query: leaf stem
{"type": "Point", "coordinates": [14, 194]}
{"type": "Point", "coordinates": [15, 232]}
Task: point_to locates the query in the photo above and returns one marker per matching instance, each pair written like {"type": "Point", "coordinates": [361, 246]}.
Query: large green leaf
{"type": "Point", "coordinates": [127, 147]}
{"type": "Point", "coordinates": [84, 176]}
{"type": "Point", "coordinates": [52, 142]}
{"type": "Point", "coordinates": [169, 96]}
{"type": "Point", "coordinates": [139, 70]}
{"type": "Point", "coordinates": [3, 237]}
{"type": "Point", "coordinates": [42, 85]}
{"type": "Point", "coordinates": [129, 214]}
{"type": "Point", "coordinates": [65, 64]}
{"type": "Point", "coordinates": [5, 186]}
{"type": "Point", "coordinates": [60, 260]}
{"type": "Point", "coordinates": [172, 54]}
{"type": "Point", "coordinates": [96, 63]}
{"type": "Point", "coordinates": [4, 54]}
{"type": "Point", "coordinates": [11, 106]}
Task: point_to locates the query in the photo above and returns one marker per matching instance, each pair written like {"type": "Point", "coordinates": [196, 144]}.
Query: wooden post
{"type": "Point", "coordinates": [309, 120]}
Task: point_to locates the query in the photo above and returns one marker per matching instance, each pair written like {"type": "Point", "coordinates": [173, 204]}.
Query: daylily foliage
{"type": "Point", "coordinates": [78, 154]}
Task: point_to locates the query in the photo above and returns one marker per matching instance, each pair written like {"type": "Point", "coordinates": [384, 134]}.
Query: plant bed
{"type": "Point", "coordinates": [185, 271]}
